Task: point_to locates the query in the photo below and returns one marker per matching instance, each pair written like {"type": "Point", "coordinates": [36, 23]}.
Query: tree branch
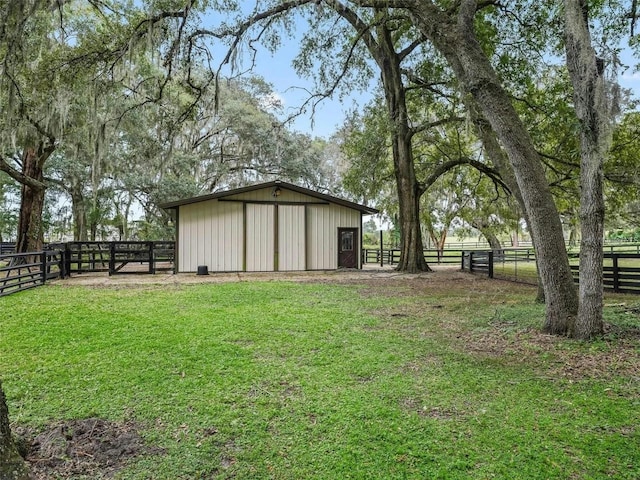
{"type": "Point", "coordinates": [467, 14]}
{"type": "Point", "coordinates": [447, 166]}
{"type": "Point", "coordinates": [436, 123]}
{"type": "Point", "coordinates": [415, 44]}
{"type": "Point", "coordinates": [19, 176]}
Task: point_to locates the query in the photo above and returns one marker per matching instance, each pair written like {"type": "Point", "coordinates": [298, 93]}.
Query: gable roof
{"type": "Point", "coordinates": [276, 183]}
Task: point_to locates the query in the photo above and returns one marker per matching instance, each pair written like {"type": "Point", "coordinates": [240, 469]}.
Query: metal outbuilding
{"type": "Point", "coordinates": [273, 226]}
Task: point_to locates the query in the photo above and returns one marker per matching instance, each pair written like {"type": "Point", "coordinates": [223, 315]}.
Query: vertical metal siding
{"type": "Point", "coordinates": [260, 237]}
{"type": "Point", "coordinates": [322, 236]}
{"type": "Point", "coordinates": [291, 236]}
{"type": "Point", "coordinates": [210, 233]}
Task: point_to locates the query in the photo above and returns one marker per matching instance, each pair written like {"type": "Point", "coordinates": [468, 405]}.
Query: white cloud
{"type": "Point", "coordinates": [630, 77]}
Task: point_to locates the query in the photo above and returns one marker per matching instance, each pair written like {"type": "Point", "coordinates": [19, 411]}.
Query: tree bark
{"type": "Point", "coordinates": [382, 49]}
{"type": "Point", "coordinates": [501, 163]}
{"type": "Point", "coordinates": [12, 466]}
{"type": "Point", "coordinates": [483, 227]}
{"type": "Point", "coordinates": [30, 236]}
{"type": "Point", "coordinates": [457, 42]}
{"type": "Point", "coordinates": [409, 191]}
{"type": "Point", "coordinates": [79, 212]}
{"type": "Point", "coordinates": [590, 103]}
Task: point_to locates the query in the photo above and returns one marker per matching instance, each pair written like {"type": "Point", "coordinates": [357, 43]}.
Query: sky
{"type": "Point", "coordinates": [329, 115]}
{"type": "Point", "coordinates": [293, 90]}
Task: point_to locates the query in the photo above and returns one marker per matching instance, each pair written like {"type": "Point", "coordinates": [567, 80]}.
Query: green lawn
{"type": "Point", "coordinates": [280, 380]}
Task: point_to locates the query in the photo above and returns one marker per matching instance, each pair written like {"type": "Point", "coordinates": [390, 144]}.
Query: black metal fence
{"type": "Point", "coordinates": [20, 271]}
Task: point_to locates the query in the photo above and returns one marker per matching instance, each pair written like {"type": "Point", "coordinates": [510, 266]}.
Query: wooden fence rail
{"type": "Point", "coordinates": [478, 262]}
{"type": "Point", "coordinates": [20, 271]}
{"type": "Point", "coordinates": [7, 247]}
{"type": "Point", "coordinates": [621, 272]}
{"type": "Point", "coordinates": [391, 256]}
{"type": "Point", "coordinates": [119, 257]}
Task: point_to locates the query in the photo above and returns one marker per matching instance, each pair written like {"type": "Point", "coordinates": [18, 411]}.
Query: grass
{"type": "Point", "coordinates": [522, 271]}
{"type": "Point", "coordinates": [288, 381]}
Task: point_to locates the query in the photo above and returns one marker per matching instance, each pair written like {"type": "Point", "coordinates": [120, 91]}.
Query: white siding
{"type": "Point", "coordinates": [322, 234]}
{"type": "Point", "coordinates": [291, 237]}
{"type": "Point", "coordinates": [260, 237]}
{"type": "Point", "coordinates": [210, 233]}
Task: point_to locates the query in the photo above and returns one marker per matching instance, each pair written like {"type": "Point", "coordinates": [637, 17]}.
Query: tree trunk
{"type": "Point", "coordinates": [30, 236]}
{"type": "Point", "coordinates": [484, 228]}
{"type": "Point", "coordinates": [491, 237]}
{"type": "Point", "coordinates": [12, 466]}
{"type": "Point", "coordinates": [409, 192]}
{"type": "Point", "coordinates": [382, 49]}
{"type": "Point", "coordinates": [79, 212]}
{"type": "Point", "coordinates": [501, 163]}
{"type": "Point", "coordinates": [125, 220]}
{"type": "Point", "coordinates": [590, 103]}
{"type": "Point", "coordinates": [458, 44]}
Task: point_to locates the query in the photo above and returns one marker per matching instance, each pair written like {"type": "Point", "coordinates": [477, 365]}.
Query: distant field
{"type": "Point", "coordinates": [526, 271]}
{"type": "Point", "coordinates": [443, 377]}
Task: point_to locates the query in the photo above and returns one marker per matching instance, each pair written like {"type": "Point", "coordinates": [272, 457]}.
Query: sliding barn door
{"type": "Point", "coordinates": [291, 238]}
{"type": "Point", "coordinates": [260, 237]}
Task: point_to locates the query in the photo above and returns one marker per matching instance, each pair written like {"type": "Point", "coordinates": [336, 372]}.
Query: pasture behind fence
{"type": "Point", "coordinates": [621, 269]}
{"type": "Point", "coordinates": [391, 256]}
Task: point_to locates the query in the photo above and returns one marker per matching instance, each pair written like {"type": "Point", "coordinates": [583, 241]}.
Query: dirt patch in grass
{"type": "Point", "coordinates": [437, 413]}
{"type": "Point", "coordinates": [90, 448]}
{"type": "Point", "coordinates": [162, 280]}
{"type": "Point", "coordinates": [617, 354]}
{"type": "Point", "coordinates": [439, 308]}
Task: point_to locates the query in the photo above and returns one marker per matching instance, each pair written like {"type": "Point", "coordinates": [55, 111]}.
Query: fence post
{"type": "Point", "coordinates": [112, 258]}
{"type": "Point", "coordinates": [152, 265]}
{"type": "Point", "coordinates": [616, 273]}
{"type": "Point", "coordinates": [381, 256]}
{"type": "Point", "coordinates": [67, 259]}
{"type": "Point", "coordinates": [43, 266]}
{"type": "Point", "coordinates": [490, 260]}
{"type": "Point", "coordinates": [462, 261]}
{"type": "Point", "coordinates": [471, 262]}
{"type": "Point", "coordinates": [61, 265]}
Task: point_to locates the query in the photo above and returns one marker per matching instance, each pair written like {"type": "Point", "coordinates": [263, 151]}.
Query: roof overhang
{"type": "Point", "coordinates": [276, 183]}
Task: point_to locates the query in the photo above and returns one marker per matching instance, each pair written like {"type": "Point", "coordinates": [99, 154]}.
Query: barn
{"type": "Point", "coordinates": [273, 226]}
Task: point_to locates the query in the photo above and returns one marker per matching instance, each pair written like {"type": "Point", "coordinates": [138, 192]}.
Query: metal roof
{"type": "Point", "coordinates": [273, 184]}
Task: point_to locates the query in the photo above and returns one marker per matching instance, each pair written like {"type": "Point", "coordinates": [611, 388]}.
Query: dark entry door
{"type": "Point", "coordinates": [347, 248]}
